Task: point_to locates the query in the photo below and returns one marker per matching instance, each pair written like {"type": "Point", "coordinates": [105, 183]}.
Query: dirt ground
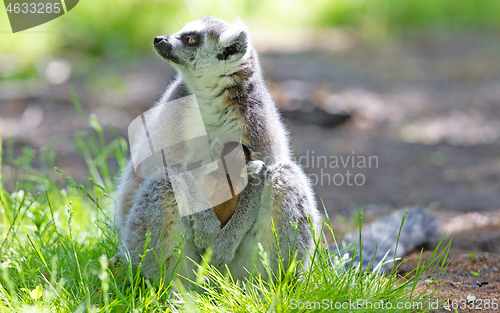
{"type": "Point", "coordinates": [426, 109]}
{"type": "Point", "coordinates": [470, 283]}
{"type": "Point", "coordinates": [471, 280]}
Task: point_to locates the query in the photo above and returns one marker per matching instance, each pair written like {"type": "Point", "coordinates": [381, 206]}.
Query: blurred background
{"type": "Point", "coordinates": [415, 84]}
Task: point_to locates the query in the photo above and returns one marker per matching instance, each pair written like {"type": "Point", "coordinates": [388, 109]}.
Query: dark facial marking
{"type": "Point", "coordinates": [165, 48]}
{"type": "Point", "coordinates": [191, 39]}
{"type": "Point", "coordinates": [229, 51]}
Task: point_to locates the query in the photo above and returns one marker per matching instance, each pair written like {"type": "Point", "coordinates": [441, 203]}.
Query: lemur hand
{"type": "Point", "coordinates": [256, 168]}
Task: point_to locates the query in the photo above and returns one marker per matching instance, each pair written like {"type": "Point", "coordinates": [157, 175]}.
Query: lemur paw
{"type": "Point", "coordinates": [255, 168]}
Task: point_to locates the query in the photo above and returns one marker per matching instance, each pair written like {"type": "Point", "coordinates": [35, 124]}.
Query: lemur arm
{"type": "Point", "coordinates": [244, 216]}
{"type": "Point", "coordinates": [283, 200]}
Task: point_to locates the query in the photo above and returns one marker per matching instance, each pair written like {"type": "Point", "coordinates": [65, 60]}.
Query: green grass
{"type": "Point", "coordinates": [56, 239]}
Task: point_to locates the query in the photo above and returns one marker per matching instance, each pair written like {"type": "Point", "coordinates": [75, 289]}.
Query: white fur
{"type": "Point", "coordinates": [237, 27]}
{"type": "Point", "coordinates": [279, 196]}
{"type": "Point", "coordinates": [194, 26]}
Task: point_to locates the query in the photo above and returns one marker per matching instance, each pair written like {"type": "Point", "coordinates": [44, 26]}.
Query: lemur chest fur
{"type": "Point", "coordinates": [221, 116]}
{"type": "Point", "coordinates": [220, 113]}
{"type": "Point", "coordinates": [218, 116]}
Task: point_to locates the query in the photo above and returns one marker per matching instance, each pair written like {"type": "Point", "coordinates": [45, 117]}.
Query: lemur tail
{"type": "Point", "coordinates": [380, 238]}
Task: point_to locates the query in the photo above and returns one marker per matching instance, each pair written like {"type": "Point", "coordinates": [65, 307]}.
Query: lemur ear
{"type": "Point", "coordinates": [234, 40]}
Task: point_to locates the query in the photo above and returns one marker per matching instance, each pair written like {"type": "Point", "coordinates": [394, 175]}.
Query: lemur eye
{"type": "Point", "coordinates": [191, 40]}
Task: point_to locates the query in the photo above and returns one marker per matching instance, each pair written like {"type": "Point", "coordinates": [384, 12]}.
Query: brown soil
{"type": "Point", "coordinates": [470, 282]}
{"type": "Point", "coordinates": [472, 278]}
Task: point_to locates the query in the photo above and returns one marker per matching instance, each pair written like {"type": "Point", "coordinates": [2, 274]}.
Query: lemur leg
{"type": "Point", "coordinates": [155, 211]}
{"type": "Point", "coordinates": [231, 235]}
{"type": "Point", "coordinates": [127, 188]}
{"type": "Point", "coordinates": [286, 198]}
{"type": "Point", "coordinates": [288, 205]}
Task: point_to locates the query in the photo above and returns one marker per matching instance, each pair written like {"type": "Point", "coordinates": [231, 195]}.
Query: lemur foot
{"type": "Point", "coordinates": [221, 255]}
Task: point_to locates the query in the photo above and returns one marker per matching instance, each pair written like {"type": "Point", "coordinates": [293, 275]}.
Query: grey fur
{"type": "Point", "coordinates": [232, 96]}
{"type": "Point", "coordinates": [224, 74]}
{"type": "Point", "coordinates": [380, 237]}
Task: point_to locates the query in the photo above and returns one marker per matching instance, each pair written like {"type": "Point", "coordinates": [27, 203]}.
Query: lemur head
{"type": "Point", "coordinates": [206, 47]}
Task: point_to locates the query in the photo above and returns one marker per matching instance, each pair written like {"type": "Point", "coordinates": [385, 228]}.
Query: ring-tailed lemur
{"type": "Point", "coordinates": [217, 63]}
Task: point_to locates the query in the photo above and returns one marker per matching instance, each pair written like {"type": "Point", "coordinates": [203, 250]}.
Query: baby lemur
{"type": "Point", "coordinates": [217, 63]}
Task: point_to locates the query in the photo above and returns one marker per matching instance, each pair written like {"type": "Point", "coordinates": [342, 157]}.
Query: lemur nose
{"type": "Point", "coordinates": [158, 39]}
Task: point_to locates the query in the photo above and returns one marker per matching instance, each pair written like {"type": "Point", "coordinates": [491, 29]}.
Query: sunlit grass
{"type": "Point", "coordinates": [57, 239]}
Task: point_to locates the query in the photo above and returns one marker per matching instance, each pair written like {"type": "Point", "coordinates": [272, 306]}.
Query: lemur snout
{"type": "Point", "coordinates": [162, 45]}
{"type": "Point", "coordinates": [158, 39]}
